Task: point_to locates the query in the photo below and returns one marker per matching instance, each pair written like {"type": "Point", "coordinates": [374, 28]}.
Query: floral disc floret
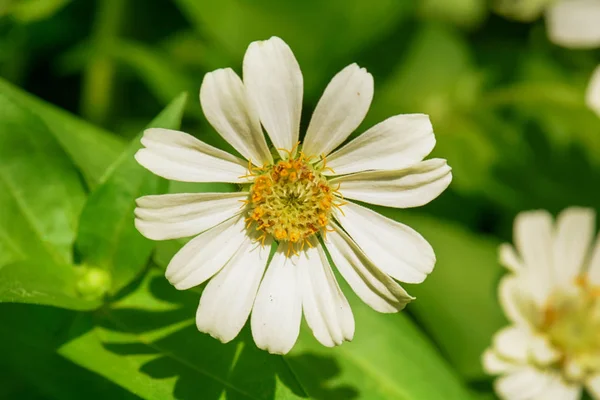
{"type": "Point", "coordinates": [291, 200]}
{"type": "Point", "coordinates": [572, 323]}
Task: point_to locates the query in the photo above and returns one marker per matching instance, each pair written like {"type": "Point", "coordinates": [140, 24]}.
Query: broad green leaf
{"type": "Point", "coordinates": [41, 194]}
{"type": "Point", "coordinates": [148, 343]}
{"type": "Point", "coordinates": [91, 148]}
{"type": "Point", "coordinates": [233, 24]}
{"type": "Point", "coordinates": [43, 282]}
{"type": "Point", "coordinates": [35, 10]}
{"type": "Point", "coordinates": [34, 368]}
{"type": "Point", "coordinates": [457, 303]}
{"type": "Point", "coordinates": [107, 236]}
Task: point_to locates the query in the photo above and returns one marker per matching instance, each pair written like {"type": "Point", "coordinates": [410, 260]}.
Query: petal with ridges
{"type": "Point", "coordinates": [372, 285]}
{"type": "Point", "coordinates": [509, 258]}
{"type": "Point", "coordinates": [326, 310]}
{"type": "Point", "coordinates": [513, 343]}
{"type": "Point", "coordinates": [593, 272]}
{"type": "Point", "coordinates": [395, 143]}
{"type": "Point", "coordinates": [228, 298]}
{"type": "Point", "coordinates": [494, 364]}
{"type": "Point", "coordinates": [229, 110]}
{"type": "Point", "coordinates": [575, 228]}
{"type": "Point", "coordinates": [523, 384]}
{"type": "Point", "coordinates": [206, 254]}
{"type": "Point", "coordinates": [592, 94]}
{"type": "Point", "coordinates": [277, 310]}
{"type": "Point", "coordinates": [558, 389]}
{"type": "Point", "coordinates": [518, 307]}
{"type": "Point", "coordinates": [181, 157]}
{"type": "Point", "coordinates": [413, 186]}
{"type": "Point", "coordinates": [172, 216]}
{"type": "Point", "coordinates": [340, 110]}
{"type": "Point", "coordinates": [574, 23]}
{"type": "Point", "coordinates": [534, 238]}
{"type": "Point", "coordinates": [394, 248]}
{"type": "Point", "coordinates": [273, 80]}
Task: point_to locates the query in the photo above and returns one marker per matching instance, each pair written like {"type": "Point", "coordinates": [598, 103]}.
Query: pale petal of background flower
{"type": "Point", "coordinates": [574, 23]}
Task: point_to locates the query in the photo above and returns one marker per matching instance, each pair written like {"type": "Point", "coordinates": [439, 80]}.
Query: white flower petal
{"type": "Point", "coordinates": [593, 386]}
{"type": "Point", "coordinates": [592, 94]}
{"type": "Point", "coordinates": [558, 389]}
{"type": "Point", "coordinates": [413, 186]}
{"type": "Point", "coordinates": [593, 272]}
{"type": "Point", "coordinates": [273, 79]}
{"type": "Point", "coordinates": [373, 286]}
{"type": "Point", "coordinates": [575, 228]}
{"type": "Point", "coordinates": [534, 238]}
{"type": "Point", "coordinates": [523, 384]}
{"type": "Point", "coordinates": [172, 216]}
{"type": "Point", "coordinates": [394, 248]}
{"type": "Point", "coordinates": [542, 351]}
{"type": "Point", "coordinates": [493, 364]}
{"type": "Point", "coordinates": [181, 157]}
{"type": "Point", "coordinates": [277, 310]}
{"type": "Point", "coordinates": [206, 254]}
{"type": "Point", "coordinates": [574, 23]}
{"type": "Point", "coordinates": [513, 343]}
{"type": "Point", "coordinates": [510, 259]}
{"type": "Point", "coordinates": [228, 298]}
{"type": "Point", "coordinates": [326, 310]}
{"type": "Point", "coordinates": [340, 110]}
{"type": "Point", "coordinates": [516, 302]}
{"type": "Point", "coordinates": [395, 143]}
{"type": "Point", "coordinates": [229, 110]}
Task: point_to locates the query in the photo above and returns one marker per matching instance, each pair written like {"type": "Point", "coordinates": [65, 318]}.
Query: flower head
{"type": "Point", "coordinates": [266, 246]}
{"type": "Point", "coordinates": [552, 299]}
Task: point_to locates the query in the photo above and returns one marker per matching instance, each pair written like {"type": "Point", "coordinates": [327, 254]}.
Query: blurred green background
{"type": "Point", "coordinates": [95, 318]}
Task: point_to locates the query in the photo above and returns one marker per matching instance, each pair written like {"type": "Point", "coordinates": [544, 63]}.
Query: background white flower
{"type": "Point", "coordinates": [551, 350]}
{"type": "Point", "coordinates": [296, 197]}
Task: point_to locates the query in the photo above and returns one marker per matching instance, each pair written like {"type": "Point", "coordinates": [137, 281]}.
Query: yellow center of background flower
{"type": "Point", "coordinates": [572, 323]}
{"type": "Point", "coordinates": [290, 200]}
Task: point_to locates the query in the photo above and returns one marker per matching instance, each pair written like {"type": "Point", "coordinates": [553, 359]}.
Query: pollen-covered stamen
{"type": "Point", "coordinates": [291, 200]}
{"type": "Point", "coordinates": [572, 323]}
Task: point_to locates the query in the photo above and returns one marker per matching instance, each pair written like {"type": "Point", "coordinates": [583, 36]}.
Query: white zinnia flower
{"type": "Point", "coordinates": [551, 350]}
{"type": "Point", "coordinates": [294, 198]}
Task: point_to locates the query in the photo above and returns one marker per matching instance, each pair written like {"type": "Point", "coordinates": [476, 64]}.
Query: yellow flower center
{"type": "Point", "coordinates": [572, 323]}
{"type": "Point", "coordinates": [291, 200]}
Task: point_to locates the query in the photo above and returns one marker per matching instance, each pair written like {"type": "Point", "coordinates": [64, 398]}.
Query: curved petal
{"type": "Point", "coordinates": [575, 228]}
{"type": "Point", "coordinates": [273, 79]}
{"type": "Point", "coordinates": [340, 110]}
{"type": "Point", "coordinates": [513, 343]}
{"type": "Point", "coordinates": [181, 157]}
{"type": "Point", "coordinates": [326, 310]}
{"type": "Point", "coordinates": [593, 272]}
{"type": "Point", "coordinates": [395, 143]}
{"type": "Point", "coordinates": [227, 107]}
{"type": "Point", "coordinates": [558, 389]}
{"type": "Point", "coordinates": [413, 186]}
{"type": "Point", "coordinates": [510, 259]}
{"type": "Point", "coordinates": [592, 94]}
{"type": "Point", "coordinates": [227, 299]}
{"type": "Point", "coordinates": [515, 302]}
{"type": "Point", "coordinates": [206, 254]}
{"type": "Point", "coordinates": [373, 286]}
{"type": "Point", "coordinates": [277, 310]}
{"type": "Point", "coordinates": [172, 216]}
{"type": "Point", "coordinates": [574, 23]}
{"type": "Point", "coordinates": [534, 238]}
{"type": "Point", "coordinates": [593, 386]}
{"type": "Point", "coordinates": [494, 364]}
{"type": "Point", "coordinates": [523, 384]}
{"type": "Point", "coordinates": [394, 248]}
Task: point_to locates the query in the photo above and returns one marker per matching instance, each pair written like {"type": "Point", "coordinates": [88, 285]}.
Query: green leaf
{"type": "Point", "coordinates": [148, 343]}
{"type": "Point", "coordinates": [42, 282]}
{"type": "Point", "coordinates": [35, 367]}
{"type": "Point", "coordinates": [107, 236]}
{"type": "Point", "coordinates": [90, 148]}
{"type": "Point", "coordinates": [457, 303]}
